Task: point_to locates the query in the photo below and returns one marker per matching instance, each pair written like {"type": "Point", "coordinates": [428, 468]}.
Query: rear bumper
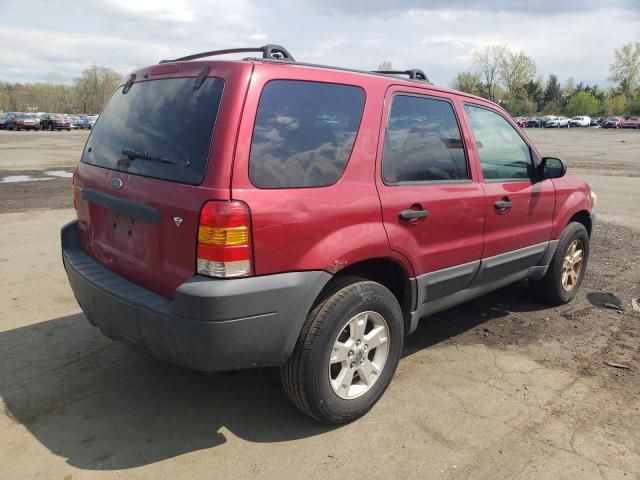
{"type": "Point", "coordinates": [211, 325]}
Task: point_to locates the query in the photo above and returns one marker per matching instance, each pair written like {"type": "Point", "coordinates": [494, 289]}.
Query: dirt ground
{"type": "Point", "coordinates": [501, 387]}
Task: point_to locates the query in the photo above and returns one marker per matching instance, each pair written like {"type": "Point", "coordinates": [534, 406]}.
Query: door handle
{"type": "Point", "coordinates": [503, 205]}
{"type": "Point", "coordinates": [410, 214]}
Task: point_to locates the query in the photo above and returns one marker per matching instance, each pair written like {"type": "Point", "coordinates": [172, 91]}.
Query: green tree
{"type": "Point", "coordinates": [469, 82]}
{"type": "Point", "coordinates": [535, 93]}
{"type": "Point", "coordinates": [515, 70]}
{"type": "Point", "coordinates": [94, 87]}
{"type": "Point", "coordinates": [582, 103]}
{"type": "Point", "coordinates": [625, 69]}
{"type": "Point", "coordinates": [614, 105]}
{"type": "Point", "coordinates": [487, 62]}
{"type": "Point", "coordinates": [552, 92]}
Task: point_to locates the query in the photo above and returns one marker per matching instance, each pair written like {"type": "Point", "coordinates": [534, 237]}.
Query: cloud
{"type": "Point", "coordinates": [569, 38]}
{"type": "Point", "coordinates": [544, 8]}
{"type": "Point", "coordinates": [162, 11]}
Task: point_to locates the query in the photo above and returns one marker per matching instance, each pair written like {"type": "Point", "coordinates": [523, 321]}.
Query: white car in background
{"type": "Point", "coordinates": [557, 122]}
{"type": "Point", "coordinates": [580, 121]}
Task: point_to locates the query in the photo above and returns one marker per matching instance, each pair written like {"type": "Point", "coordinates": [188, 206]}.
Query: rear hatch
{"type": "Point", "coordinates": [158, 152]}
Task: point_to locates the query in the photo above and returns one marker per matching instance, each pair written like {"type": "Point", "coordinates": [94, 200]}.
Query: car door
{"type": "Point", "coordinates": [519, 208]}
{"type": "Point", "coordinates": [433, 205]}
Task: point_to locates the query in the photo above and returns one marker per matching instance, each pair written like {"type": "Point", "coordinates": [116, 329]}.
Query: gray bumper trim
{"type": "Point", "coordinates": [212, 325]}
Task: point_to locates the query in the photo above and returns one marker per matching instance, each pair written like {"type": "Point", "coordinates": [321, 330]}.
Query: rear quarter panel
{"type": "Point", "coordinates": [327, 228]}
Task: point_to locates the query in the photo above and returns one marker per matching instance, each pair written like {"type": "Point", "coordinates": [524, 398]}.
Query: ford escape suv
{"type": "Point", "coordinates": [264, 212]}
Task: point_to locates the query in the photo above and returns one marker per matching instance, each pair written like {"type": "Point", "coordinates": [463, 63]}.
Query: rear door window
{"type": "Point", "coordinates": [423, 142]}
{"type": "Point", "coordinates": [304, 133]}
{"type": "Point", "coordinates": [159, 128]}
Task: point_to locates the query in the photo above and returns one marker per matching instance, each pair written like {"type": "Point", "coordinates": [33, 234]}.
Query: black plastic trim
{"type": "Point", "coordinates": [498, 266]}
{"type": "Point", "coordinates": [212, 325]}
{"type": "Point", "coordinates": [413, 74]}
{"type": "Point", "coordinates": [452, 286]}
{"type": "Point", "coordinates": [269, 51]}
{"type": "Point", "coordinates": [126, 207]}
{"type": "Point", "coordinates": [445, 282]}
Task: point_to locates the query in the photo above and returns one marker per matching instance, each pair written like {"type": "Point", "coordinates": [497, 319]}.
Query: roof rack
{"type": "Point", "coordinates": [413, 74]}
{"type": "Point", "coordinates": [270, 51]}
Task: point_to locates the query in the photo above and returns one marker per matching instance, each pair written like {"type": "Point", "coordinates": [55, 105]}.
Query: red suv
{"type": "Point", "coordinates": [264, 212]}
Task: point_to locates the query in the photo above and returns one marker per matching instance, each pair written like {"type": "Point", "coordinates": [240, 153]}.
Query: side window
{"type": "Point", "coordinates": [503, 152]}
{"type": "Point", "coordinates": [423, 142]}
{"type": "Point", "coordinates": [304, 133]}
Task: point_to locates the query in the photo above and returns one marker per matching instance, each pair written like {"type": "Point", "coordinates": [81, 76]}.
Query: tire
{"type": "Point", "coordinates": [549, 289]}
{"type": "Point", "coordinates": [311, 380]}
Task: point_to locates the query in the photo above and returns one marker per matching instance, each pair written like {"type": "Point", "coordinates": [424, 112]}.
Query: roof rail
{"type": "Point", "coordinates": [413, 74]}
{"type": "Point", "coordinates": [273, 52]}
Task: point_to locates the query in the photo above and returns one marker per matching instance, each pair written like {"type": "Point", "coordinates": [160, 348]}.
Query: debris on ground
{"type": "Point", "coordinates": [635, 305]}
{"type": "Point", "coordinates": [618, 365]}
{"type": "Point", "coordinates": [613, 306]}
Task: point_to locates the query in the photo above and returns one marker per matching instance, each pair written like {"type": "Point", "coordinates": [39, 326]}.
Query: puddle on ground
{"type": "Point", "coordinates": [38, 177]}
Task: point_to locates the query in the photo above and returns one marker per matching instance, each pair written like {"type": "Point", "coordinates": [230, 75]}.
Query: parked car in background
{"type": "Point", "coordinates": [294, 247]}
{"type": "Point", "coordinates": [632, 122]}
{"type": "Point", "coordinates": [557, 122]}
{"type": "Point", "coordinates": [535, 122]}
{"type": "Point", "coordinates": [54, 121]}
{"type": "Point", "coordinates": [614, 122]}
{"type": "Point", "coordinates": [3, 120]}
{"type": "Point", "coordinates": [92, 120]}
{"type": "Point", "coordinates": [521, 121]}
{"type": "Point", "coordinates": [596, 121]}
{"type": "Point", "coordinates": [83, 122]}
{"type": "Point", "coordinates": [22, 121]}
{"type": "Point", "coordinates": [580, 121]}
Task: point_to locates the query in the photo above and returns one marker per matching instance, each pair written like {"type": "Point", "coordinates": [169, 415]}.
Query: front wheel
{"type": "Point", "coordinates": [567, 268]}
{"type": "Point", "coordinates": [347, 352]}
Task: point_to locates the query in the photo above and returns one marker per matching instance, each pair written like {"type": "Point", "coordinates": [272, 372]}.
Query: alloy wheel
{"type": "Point", "coordinates": [572, 266]}
{"type": "Point", "coordinates": [359, 355]}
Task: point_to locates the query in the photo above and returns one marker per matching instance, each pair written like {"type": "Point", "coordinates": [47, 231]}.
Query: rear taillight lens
{"type": "Point", "coordinates": [224, 240]}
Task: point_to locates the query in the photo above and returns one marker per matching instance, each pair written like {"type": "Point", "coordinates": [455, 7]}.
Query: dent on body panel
{"type": "Point", "coordinates": [347, 245]}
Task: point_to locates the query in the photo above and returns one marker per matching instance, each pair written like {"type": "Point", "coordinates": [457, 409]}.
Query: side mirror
{"type": "Point", "coordinates": [551, 167]}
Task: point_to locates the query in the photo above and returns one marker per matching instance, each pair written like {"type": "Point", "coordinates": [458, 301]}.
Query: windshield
{"type": "Point", "coordinates": [161, 119]}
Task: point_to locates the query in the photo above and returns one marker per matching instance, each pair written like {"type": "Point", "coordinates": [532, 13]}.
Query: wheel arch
{"type": "Point", "coordinates": [386, 271]}
{"type": "Point", "coordinates": [583, 217]}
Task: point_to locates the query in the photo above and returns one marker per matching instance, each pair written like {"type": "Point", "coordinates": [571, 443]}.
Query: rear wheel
{"type": "Point", "coordinates": [567, 268]}
{"type": "Point", "coordinates": [347, 352]}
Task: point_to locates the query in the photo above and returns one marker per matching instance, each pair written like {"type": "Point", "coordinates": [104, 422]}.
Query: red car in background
{"type": "Point", "coordinates": [521, 121]}
{"type": "Point", "coordinates": [22, 121]}
{"type": "Point", "coordinates": [54, 121]}
{"type": "Point", "coordinates": [614, 122]}
{"type": "Point", "coordinates": [632, 122]}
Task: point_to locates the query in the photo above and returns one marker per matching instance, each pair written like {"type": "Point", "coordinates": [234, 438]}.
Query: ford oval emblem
{"type": "Point", "coordinates": [116, 183]}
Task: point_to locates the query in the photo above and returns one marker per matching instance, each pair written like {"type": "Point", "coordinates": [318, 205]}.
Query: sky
{"type": "Point", "coordinates": [571, 38]}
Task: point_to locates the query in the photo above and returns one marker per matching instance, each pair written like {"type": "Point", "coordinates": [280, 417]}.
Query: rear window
{"type": "Point", "coordinates": [160, 129]}
{"type": "Point", "coordinates": [304, 133]}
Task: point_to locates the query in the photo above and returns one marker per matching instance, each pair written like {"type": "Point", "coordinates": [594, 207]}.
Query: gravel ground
{"type": "Point", "coordinates": [501, 387]}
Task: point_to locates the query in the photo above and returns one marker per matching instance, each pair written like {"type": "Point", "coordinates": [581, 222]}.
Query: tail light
{"type": "Point", "coordinates": [224, 240]}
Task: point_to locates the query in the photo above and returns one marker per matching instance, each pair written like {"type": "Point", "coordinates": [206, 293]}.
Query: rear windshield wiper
{"type": "Point", "coordinates": [133, 154]}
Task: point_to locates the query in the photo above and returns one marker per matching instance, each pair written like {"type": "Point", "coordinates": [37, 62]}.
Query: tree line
{"type": "Point", "coordinates": [87, 94]}
{"type": "Point", "coordinates": [509, 78]}
{"type": "Point", "coordinates": [497, 73]}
